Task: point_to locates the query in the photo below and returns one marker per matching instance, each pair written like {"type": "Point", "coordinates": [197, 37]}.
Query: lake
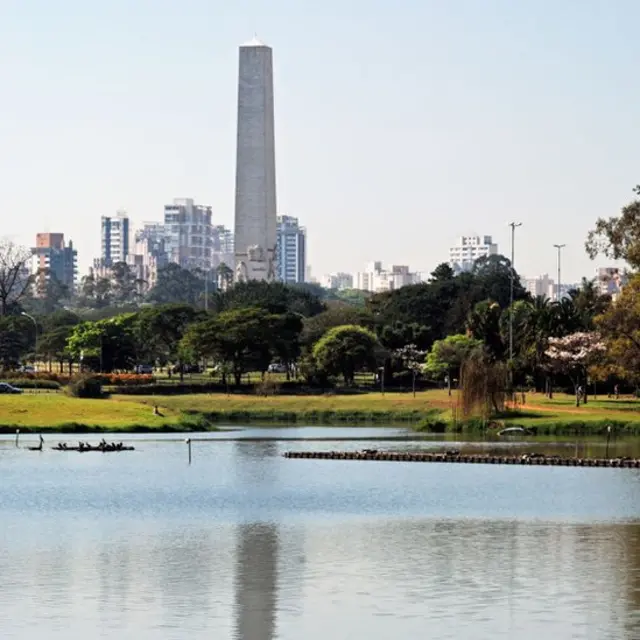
{"type": "Point", "coordinates": [245, 544]}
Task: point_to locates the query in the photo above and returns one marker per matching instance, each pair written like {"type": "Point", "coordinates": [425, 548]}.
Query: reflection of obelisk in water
{"type": "Point", "coordinates": [256, 581]}
{"type": "Point", "coordinates": [255, 214]}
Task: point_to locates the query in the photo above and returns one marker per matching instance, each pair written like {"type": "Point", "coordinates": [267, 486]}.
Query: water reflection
{"type": "Point", "coordinates": [248, 545]}
{"type": "Point", "coordinates": [256, 582]}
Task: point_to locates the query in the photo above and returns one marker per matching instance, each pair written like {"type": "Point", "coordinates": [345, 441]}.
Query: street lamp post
{"type": "Point", "coordinates": [513, 226]}
{"type": "Point", "coordinates": [206, 290]}
{"type": "Point", "coordinates": [35, 324]}
{"type": "Point", "coordinates": [559, 247]}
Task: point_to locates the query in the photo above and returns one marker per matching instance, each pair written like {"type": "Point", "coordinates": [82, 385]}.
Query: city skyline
{"type": "Point", "coordinates": [525, 128]}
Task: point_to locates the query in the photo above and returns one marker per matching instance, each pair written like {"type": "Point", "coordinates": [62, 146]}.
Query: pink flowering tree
{"type": "Point", "coordinates": [573, 355]}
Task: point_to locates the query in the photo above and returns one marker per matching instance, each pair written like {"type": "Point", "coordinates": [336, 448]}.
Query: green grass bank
{"type": "Point", "coordinates": [428, 411]}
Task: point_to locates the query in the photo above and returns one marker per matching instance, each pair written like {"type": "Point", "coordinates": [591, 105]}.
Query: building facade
{"type": "Point", "coordinates": [54, 260]}
{"type": "Point", "coordinates": [148, 255]}
{"type": "Point", "coordinates": [377, 279]}
{"type": "Point", "coordinates": [188, 234]}
{"type": "Point", "coordinates": [339, 281]}
{"type": "Point", "coordinates": [541, 286]}
{"type": "Point", "coordinates": [223, 247]}
{"type": "Point", "coordinates": [255, 198]}
{"type": "Point", "coordinates": [114, 237]}
{"type": "Point", "coordinates": [610, 281]}
{"type": "Point", "coordinates": [291, 250]}
{"type": "Point", "coordinates": [468, 249]}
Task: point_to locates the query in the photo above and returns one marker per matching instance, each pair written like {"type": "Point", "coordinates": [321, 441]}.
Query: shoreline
{"type": "Point", "coordinates": [428, 412]}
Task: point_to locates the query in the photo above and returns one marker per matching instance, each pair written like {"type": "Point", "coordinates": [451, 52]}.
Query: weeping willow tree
{"type": "Point", "coordinates": [482, 386]}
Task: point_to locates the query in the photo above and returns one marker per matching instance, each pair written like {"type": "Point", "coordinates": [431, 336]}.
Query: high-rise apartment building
{"type": "Point", "coordinates": [114, 239]}
{"type": "Point", "coordinates": [223, 247]}
{"type": "Point", "coordinates": [542, 286]}
{"type": "Point", "coordinates": [148, 255]}
{"type": "Point", "coordinates": [468, 249]}
{"type": "Point", "coordinates": [188, 234]}
{"type": "Point", "coordinates": [54, 260]}
{"type": "Point", "coordinates": [291, 250]}
{"type": "Point", "coordinates": [255, 205]}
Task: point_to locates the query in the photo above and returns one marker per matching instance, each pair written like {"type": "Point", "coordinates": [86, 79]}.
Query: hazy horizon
{"type": "Point", "coordinates": [397, 129]}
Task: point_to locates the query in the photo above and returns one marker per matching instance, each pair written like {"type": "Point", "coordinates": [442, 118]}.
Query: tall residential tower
{"type": "Point", "coordinates": [255, 211]}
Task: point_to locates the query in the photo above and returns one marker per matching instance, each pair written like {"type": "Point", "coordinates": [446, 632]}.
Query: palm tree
{"type": "Point", "coordinates": [225, 276]}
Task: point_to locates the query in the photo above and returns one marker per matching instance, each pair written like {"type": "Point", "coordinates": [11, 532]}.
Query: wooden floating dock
{"type": "Point", "coordinates": [531, 459]}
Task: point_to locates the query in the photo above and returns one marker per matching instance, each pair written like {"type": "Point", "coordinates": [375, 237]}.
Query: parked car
{"type": "Point", "coordinates": [144, 368]}
{"type": "Point", "coordinates": [27, 369]}
{"type": "Point", "coordinates": [5, 387]}
{"type": "Point", "coordinates": [277, 367]}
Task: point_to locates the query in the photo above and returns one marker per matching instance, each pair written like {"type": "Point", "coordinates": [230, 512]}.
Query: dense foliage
{"type": "Point", "coordinates": [427, 331]}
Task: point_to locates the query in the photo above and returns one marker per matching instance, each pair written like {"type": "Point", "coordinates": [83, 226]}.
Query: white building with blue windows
{"type": "Point", "coordinates": [291, 250]}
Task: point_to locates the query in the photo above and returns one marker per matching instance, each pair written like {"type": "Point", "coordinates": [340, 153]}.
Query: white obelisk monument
{"type": "Point", "coordinates": [255, 212]}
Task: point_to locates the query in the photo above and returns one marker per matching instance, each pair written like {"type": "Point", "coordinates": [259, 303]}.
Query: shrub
{"type": "Point", "coordinates": [85, 387]}
{"type": "Point", "coordinates": [124, 379]}
{"type": "Point", "coordinates": [11, 376]}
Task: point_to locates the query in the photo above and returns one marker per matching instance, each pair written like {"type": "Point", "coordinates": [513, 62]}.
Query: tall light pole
{"type": "Point", "coordinates": [559, 247]}
{"type": "Point", "coordinates": [206, 290]}
{"type": "Point", "coordinates": [513, 226]}
{"type": "Point", "coordinates": [35, 324]}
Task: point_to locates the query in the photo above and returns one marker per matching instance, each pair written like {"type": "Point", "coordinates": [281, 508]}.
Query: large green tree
{"type": "Point", "coordinates": [346, 350]}
{"type": "Point", "coordinates": [176, 285]}
{"type": "Point", "coordinates": [17, 339]}
{"type": "Point", "coordinates": [244, 339]}
{"type": "Point", "coordinates": [106, 345]}
{"type": "Point", "coordinates": [448, 355]}
{"type": "Point", "coordinates": [159, 331]}
{"type": "Point", "coordinates": [618, 237]}
{"type": "Point", "coordinates": [337, 314]}
{"type": "Point", "coordinates": [272, 297]}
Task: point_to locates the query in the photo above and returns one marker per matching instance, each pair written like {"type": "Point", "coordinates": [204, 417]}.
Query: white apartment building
{"type": "Point", "coordinates": [541, 286]}
{"type": "Point", "coordinates": [188, 234]}
{"type": "Point", "coordinates": [376, 279]}
{"type": "Point", "coordinates": [339, 281]}
{"type": "Point", "coordinates": [468, 249]}
{"type": "Point", "coordinates": [114, 239]}
{"type": "Point", "coordinates": [291, 250]}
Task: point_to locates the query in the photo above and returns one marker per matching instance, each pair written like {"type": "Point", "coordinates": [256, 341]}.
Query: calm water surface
{"type": "Point", "coordinates": [245, 544]}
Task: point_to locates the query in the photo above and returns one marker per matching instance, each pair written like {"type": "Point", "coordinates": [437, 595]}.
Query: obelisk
{"type": "Point", "coordinates": [255, 210]}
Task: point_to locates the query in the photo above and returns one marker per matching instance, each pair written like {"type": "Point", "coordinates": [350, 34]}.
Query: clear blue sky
{"type": "Point", "coordinates": [399, 125]}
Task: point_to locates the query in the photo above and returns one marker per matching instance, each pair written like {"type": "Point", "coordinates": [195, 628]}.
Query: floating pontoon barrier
{"type": "Point", "coordinates": [455, 457]}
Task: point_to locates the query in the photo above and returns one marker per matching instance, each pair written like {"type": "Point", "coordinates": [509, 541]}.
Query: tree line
{"type": "Point", "coordinates": [424, 331]}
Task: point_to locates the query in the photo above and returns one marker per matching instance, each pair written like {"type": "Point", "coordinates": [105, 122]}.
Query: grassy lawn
{"type": "Point", "coordinates": [56, 411]}
{"type": "Point", "coordinates": [365, 402]}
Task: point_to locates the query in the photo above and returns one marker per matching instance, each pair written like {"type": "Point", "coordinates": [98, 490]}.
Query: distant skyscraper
{"type": "Point", "coordinates": [223, 247]}
{"type": "Point", "coordinates": [114, 239]}
{"type": "Point", "coordinates": [188, 234]}
{"type": "Point", "coordinates": [255, 208]}
{"type": "Point", "coordinates": [148, 255]}
{"type": "Point", "coordinates": [52, 259]}
{"type": "Point", "coordinates": [469, 248]}
{"type": "Point", "coordinates": [291, 250]}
